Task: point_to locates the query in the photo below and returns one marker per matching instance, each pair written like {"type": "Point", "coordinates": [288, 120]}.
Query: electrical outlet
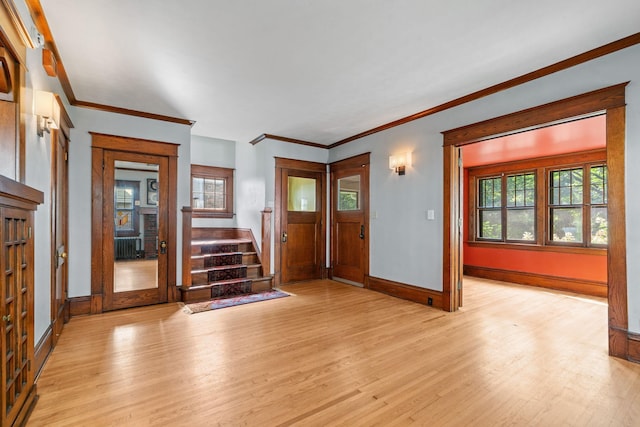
{"type": "Point", "coordinates": [429, 301]}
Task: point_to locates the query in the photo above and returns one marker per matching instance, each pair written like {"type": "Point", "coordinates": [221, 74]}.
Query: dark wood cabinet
{"type": "Point", "coordinates": [17, 203]}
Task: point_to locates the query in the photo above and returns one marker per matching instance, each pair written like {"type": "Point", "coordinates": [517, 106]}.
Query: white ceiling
{"type": "Point", "coordinates": [318, 71]}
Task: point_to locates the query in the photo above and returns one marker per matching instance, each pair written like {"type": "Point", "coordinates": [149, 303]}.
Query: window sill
{"type": "Point", "coordinates": [539, 248]}
{"type": "Point", "coordinates": [203, 213]}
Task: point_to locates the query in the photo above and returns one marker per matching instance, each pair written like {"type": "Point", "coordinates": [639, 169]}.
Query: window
{"type": "Point", "coordinates": [547, 202]}
{"type": "Point", "coordinates": [349, 193]}
{"type": "Point", "coordinates": [211, 192]}
{"type": "Point", "coordinates": [577, 194]}
{"type": "Point", "coordinates": [125, 196]}
{"type": "Point", "coordinates": [511, 220]}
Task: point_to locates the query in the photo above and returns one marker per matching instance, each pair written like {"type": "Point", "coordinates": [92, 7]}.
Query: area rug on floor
{"type": "Point", "coordinates": [199, 307]}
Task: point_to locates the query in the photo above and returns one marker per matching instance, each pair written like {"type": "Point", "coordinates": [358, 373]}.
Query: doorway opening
{"type": "Point", "coordinates": [535, 207]}
{"type": "Point", "coordinates": [609, 101]}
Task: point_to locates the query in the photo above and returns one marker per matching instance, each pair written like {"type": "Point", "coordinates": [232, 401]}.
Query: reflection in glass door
{"type": "Point", "coordinates": [135, 219]}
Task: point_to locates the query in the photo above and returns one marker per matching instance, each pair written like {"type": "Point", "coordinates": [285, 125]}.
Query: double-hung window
{"type": "Point", "coordinates": [552, 202]}
{"type": "Point", "coordinates": [578, 205]}
{"type": "Point", "coordinates": [507, 207]}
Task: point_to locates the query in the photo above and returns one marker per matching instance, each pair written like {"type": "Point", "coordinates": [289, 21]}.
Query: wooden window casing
{"type": "Point", "coordinates": [223, 203]}
{"type": "Point", "coordinates": [542, 169]}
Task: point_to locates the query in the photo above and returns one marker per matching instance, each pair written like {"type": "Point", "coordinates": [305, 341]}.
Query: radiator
{"type": "Point", "coordinates": [127, 247]}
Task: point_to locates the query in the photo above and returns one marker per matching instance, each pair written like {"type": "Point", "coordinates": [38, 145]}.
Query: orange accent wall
{"type": "Point", "coordinates": [574, 266]}
{"type": "Point", "coordinates": [559, 264]}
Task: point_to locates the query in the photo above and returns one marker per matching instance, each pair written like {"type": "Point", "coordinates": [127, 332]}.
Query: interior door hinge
{"type": "Point", "coordinates": [66, 156]}
{"type": "Point", "coordinates": [459, 284]}
{"type": "Point", "coordinates": [460, 161]}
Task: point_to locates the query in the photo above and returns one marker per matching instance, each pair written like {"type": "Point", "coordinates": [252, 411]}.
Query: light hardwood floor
{"type": "Point", "coordinates": [135, 275]}
{"type": "Point", "coordinates": [334, 354]}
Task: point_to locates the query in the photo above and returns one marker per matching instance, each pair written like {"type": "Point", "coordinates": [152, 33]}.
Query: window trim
{"type": "Point", "coordinates": [542, 167]}
{"type": "Point", "coordinates": [213, 172]}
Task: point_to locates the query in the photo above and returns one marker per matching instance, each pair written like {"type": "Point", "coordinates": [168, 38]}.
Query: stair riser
{"type": "Point", "coordinates": [251, 258]}
{"type": "Point", "coordinates": [227, 274]}
{"type": "Point", "coordinates": [203, 248]}
{"type": "Point", "coordinates": [219, 260]}
{"type": "Point", "coordinates": [214, 249]}
{"type": "Point", "coordinates": [231, 289]}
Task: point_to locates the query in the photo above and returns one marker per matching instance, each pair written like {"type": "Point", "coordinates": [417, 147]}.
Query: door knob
{"type": "Point", "coordinates": [284, 237]}
{"type": "Point", "coordinates": [63, 255]}
{"type": "Point", "coordinates": [362, 232]}
{"type": "Point", "coordinates": [163, 247]}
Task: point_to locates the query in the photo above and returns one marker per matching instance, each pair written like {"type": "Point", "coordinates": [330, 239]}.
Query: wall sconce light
{"type": "Point", "coordinates": [399, 162]}
{"type": "Point", "coordinates": [47, 111]}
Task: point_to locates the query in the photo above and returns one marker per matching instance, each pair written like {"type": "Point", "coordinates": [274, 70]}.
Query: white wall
{"type": "Point", "coordinates": [80, 196]}
{"type": "Point", "coordinates": [215, 152]}
{"type": "Point", "coordinates": [38, 176]}
{"type": "Point", "coordinates": [406, 247]}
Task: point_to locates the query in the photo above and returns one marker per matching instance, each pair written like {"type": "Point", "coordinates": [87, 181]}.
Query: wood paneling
{"type": "Point", "coordinates": [405, 291]}
{"type": "Point", "coordinates": [598, 289]}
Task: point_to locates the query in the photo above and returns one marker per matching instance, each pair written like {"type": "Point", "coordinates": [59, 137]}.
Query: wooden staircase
{"type": "Point", "coordinates": [222, 262]}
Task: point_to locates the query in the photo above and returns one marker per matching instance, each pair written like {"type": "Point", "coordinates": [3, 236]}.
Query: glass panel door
{"type": "Point", "coordinates": [136, 205]}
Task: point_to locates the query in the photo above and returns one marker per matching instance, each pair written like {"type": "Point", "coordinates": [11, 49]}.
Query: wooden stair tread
{"type": "Point", "coordinates": [219, 242]}
{"type": "Point", "coordinates": [219, 267]}
{"type": "Point", "coordinates": [199, 256]}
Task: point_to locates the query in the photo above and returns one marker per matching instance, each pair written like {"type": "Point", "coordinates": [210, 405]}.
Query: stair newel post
{"type": "Point", "coordinates": [265, 259]}
{"type": "Point", "coordinates": [187, 215]}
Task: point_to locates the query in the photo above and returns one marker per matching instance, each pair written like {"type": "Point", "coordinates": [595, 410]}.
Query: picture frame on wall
{"type": "Point", "coordinates": [152, 191]}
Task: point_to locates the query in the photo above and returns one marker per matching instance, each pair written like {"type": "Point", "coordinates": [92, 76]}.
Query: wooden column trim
{"type": "Point", "coordinates": [97, 168]}
{"type": "Point", "coordinates": [187, 217]}
{"type": "Point", "coordinates": [617, 254]}
{"type": "Point", "coordinates": [265, 257]}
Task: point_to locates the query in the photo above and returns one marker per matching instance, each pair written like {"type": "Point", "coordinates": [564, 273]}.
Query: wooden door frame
{"type": "Point", "coordinates": [611, 101]}
{"type": "Point", "coordinates": [301, 165]}
{"type": "Point", "coordinates": [361, 160]}
{"type": "Point", "coordinates": [99, 144]}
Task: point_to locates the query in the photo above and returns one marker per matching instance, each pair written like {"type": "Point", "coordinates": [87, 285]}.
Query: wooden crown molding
{"type": "Point", "coordinates": [37, 13]}
{"type": "Point", "coordinates": [517, 81]}
{"type": "Point", "coordinates": [286, 139]}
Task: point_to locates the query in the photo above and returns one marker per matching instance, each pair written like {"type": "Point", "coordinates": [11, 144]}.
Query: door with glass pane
{"type": "Point", "coordinates": [134, 216]}
{"type": "Point", "coordinates": [301, 232]}
{"type": "Point", "coordinates": [350, 225]}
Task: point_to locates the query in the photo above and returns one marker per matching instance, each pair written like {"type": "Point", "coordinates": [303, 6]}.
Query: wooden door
{"type": "Point", "coordinates": [349, 219]}
{"type": "Point", "coordinates": [302, 210]}
{"type": "Point", "coordinates": [135, 203]}
{"type": "Point", "coordinates": [59, 231]}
